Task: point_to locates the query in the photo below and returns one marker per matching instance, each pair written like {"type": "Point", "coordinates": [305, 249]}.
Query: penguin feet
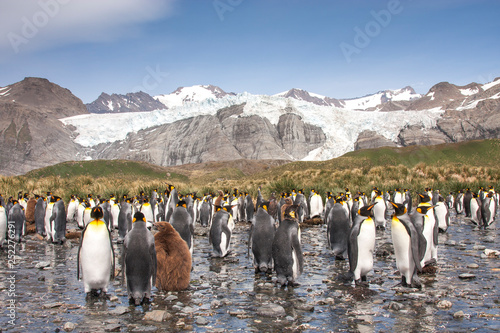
{"type": "Point", "coordinates": [380, 227]}
{"type": "Point", "coordinates": [361, 283]}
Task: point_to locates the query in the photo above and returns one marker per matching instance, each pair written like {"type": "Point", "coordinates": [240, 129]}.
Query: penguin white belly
{"type": "Point", "coordinates": [428, 233]}
{"type": "Point", "coordinates": [492, 207]}
{"type": "Point", "coordinates": [79, 216]}
{"type": "Point", "coordinates": [115, 212]}
{"type": "Point", "coordinates": [441, 214]}
{"type": "Point", "coordinates": [474, 207]}
{"type": "Point", "coordinates": [316, 205]}
{"type": "Point", "coordinates": [48, 226]}
{"type": "Point", "coordinates": [70, 216]}
{"type": "Point", "coordinates": [398, 198]}
{"type": "Point", "coordinates": [148, 214]}
{"type": "Point", "coordinates": [224, 244]}
{"type": "Point", "coordinates": [96, 273]}
{"type": "Point", "coordinates": [379, 212]}
{"type": "Point", "coordinates": [402, 249]}
{"type": "Point", "coordinates": [295, 266]}
{"type": "Point", "coordinates": [366, 246]}
{"type": "Point", "coordinates": [86, 216]}
{"type": "Point", "coordinates": [3, 225]}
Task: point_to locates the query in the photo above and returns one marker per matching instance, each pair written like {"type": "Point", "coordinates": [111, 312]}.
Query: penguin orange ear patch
{"type": "Point", "coordinates": [134, 219]}
{"type": "Point", "coordinates": [292, 214]}
{"type": "Point", "coordinates": [265, 207]}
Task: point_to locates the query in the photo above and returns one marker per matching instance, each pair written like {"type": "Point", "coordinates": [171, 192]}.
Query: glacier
{"type": "Point", "coordinates": [342, 126]}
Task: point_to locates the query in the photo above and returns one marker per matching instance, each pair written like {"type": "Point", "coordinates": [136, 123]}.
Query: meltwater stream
{"type": "Point", "coordinates": [226, 295]}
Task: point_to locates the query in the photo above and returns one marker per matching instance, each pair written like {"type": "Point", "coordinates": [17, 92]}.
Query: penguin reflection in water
{"type": "Point", "coordinates": [139, 260]}
{"type": "Point", "coordinates": [287, 250]}
{"type": "Point", "coordinates": [96, 259]}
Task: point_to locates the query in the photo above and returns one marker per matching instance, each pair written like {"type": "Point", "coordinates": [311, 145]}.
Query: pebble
{"type": "Point", "coordinates": [444, 304]}
{"type": "Point", "coordinates": [271, 310]}
{"type": "Point", "coordinates": [119, 310]}
{"type": "Point", "coordinates": [473, 266]}
{"type": "Point", "coordinates": [42, 264]}
{"type": "Point", "coordinates": [112, 328]}
{"type": "Point", "coordinates": [467, 276]}
{"type": "Point", "coordinates": [69, 326]}
{"type": "Point", "coordinates": [394, 306]}
{"type": "Point", "coordinates": [156, 315]}
{"type": "Point", "coordinates": [201, 321]}
{"type": "Point", "coordinates": [459, 314]}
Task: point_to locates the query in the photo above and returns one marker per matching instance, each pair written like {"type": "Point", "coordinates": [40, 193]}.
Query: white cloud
{"type": "Point", "coordinates": [31, 25]}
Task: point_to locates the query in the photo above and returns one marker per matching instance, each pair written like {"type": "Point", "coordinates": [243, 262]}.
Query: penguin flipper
{"type": "Point", "coordinates": [152, 253]}
{"type": "Point", "coordinates": [112, 255]}
{"type": "Point", "coordinates": [78, 254]}
{"type": "Point", "coordinates": [352, 247]}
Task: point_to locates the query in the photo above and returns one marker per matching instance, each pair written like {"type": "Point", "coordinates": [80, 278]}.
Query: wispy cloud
{"type": "Point", "coordinates": [27, 26]}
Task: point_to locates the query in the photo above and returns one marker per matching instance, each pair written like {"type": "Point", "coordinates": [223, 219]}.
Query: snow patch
{"type": "Point", "coordinates": [487, 86]}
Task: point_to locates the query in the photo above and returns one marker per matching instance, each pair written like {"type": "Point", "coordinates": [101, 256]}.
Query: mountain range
{"type": "Point", "coordinates": [43, 123]}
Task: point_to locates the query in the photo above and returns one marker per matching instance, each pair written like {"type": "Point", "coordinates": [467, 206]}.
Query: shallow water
{"type": "Point", "coordinates": [226, 295]}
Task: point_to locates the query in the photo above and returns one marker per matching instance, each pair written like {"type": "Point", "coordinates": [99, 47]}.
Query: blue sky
{"type": "Point", "coordinates": [340, 49]}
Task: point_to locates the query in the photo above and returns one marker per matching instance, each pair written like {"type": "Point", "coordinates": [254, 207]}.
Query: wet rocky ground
{"type": "Point", "coordinates": [226, 295]}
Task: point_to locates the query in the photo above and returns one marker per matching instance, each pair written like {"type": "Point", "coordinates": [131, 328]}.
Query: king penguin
{"type": "Point", "coordinates": [287, 250]}
{"type": "Point", "coordinates": [409, 246]}
{"type": "Point", "coordinates": [379, 210]}
{"type": "Point", "coordinates": [206, 212]}
{"type": "Point", "coordinates": [3, 225]}
{"type": "Point", "coordinates": [221, 231]}
{"type": "Point", "coordinates": [148, 212]}
{"type": "Point", "coordinates": [442, 214]}
{"type": "Point", "coordinates": [261, 239]}
{"type": "Point", "coordinates": [488, 210]}
{"type": "Point", "coordinates": [72, 208]}
{"type": "Point", "coordinates": [124, 220]}
{"type": "Point", "coordinates": [139, 261]}
{"type": "Point", "coordinates": [425, 223]}
{"type": "Point", "coordinates": [48, 213]}
{"type": "Point", "coordinates": [173, 259]}
{"type": "Point", "coordinates": [58, 221]}
{"type": "Point", "coordinates": [316, 205]}
{"type": "Point", "coordinates": [361, 244]}
{"type": "Point", "coordinates": [337, 231]}
{"type": "Point", "coordinates": [475, 210]}
{"type": "Point", "coordinates": [183, 223]}
{"type": "Point", "coordinates": [40, 216]}
{"type": "Point", "coordinates": [96, 259]}
{"type": "Point", "coordinates": [17, 218]}
{"type": "Point", "coordinates": [459, 202]}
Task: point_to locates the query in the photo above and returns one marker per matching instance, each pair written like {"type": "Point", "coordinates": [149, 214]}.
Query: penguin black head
{"type": "Point", "coordinates": [366, 210]}
{"type": "Point", "coordinates": [399, 209]}
{"type": "Point", "coordinates": [265, 205]}
{"type": "Point", "coordinates": [291, 212]}
{"type": "Point", "coordinates": [97, 213]}
{"type": "Point", "coordinates": [181, 203]}
{"type": "Point", "coordinates": [424, 209]}
{"type": "Point", "coordinates": [424, 197]}
{"type": "Point", "coordinates": [139, 217]}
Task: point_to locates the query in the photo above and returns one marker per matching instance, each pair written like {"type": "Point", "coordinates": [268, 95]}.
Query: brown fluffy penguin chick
{"type": "Point", "coordinates": [173, 259]}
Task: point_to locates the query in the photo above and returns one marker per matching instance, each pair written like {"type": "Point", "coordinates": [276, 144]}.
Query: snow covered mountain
{"type": "Point", "coordinates": [345, 128]}
{"type": "Point", "coordinates": [367, 103]}
{"type": "Point", "coordinates": [194, 94]}
{"type": "Point", "coordinates": [131, 102]}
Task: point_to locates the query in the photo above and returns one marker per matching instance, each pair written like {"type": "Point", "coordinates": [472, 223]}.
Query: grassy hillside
{"type": "Point", "coordinates": [447, 167]}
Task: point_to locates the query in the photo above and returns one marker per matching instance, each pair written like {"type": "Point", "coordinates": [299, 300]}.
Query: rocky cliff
{"type": "Point", "coordinates": [31, 136]}
{"type": "Point", "coordinates": [131, 102]}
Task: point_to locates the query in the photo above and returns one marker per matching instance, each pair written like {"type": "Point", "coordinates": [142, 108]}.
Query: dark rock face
{"type": "Point", "coordinates": [225, 136]}
{"type": "Point", "coordinates": [371, 139]}
{"type": "Point", "coordinates": [131, 102]}
{"type": "Point", "coordinates": [31, 136]}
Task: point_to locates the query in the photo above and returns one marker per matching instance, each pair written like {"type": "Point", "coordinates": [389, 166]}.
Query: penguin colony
{"type": "Point", "coordinates": [157, 232]}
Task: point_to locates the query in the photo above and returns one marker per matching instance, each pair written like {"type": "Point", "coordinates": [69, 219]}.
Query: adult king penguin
{"type": "Point", "coordinates": [58, 221]}
{"type": "Point", "coordinates": [379, 210]}
{"type": "Point", "coordinates": [362, 245]}
{"type": "Point", "coordinates": [442, 214]}
{"type": "Point", "coordinates": [95, 258]}
{"type": "Point", "coordinates": [221, 231]}
{"type": "Point", "coordinates": [16, 217]}
{"type": "Point", "coordinates": [488, 209]}
{"type": "Point", "coordinates": [337, 231]}
{"type": "Point", "coordinates": [409, 246]}
{"type": "Point", "coordinates": [425, 223]}
{"type": "Point", "coordinates": [139, 260]}
{"type": "Point", "coordinates": [316, 204]}
{"type": "Point", "coordinates": [3, 225]}
{"type": "Point", "coordinates": [261, 239]}
{"type": "Point", "coordinates": [287, 250]}
{"type": "Point", "coordinates": [124, 219]}
{"type": "Point", "coordinates": [183, 223]}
